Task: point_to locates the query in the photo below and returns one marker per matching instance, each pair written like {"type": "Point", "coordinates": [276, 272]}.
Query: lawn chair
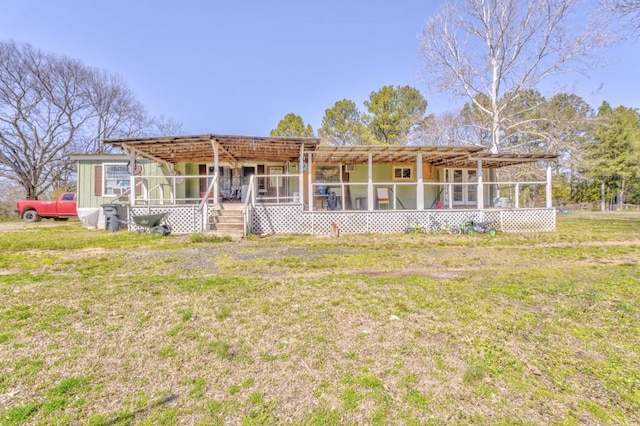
{"type": "Point", "coordinates": [383, 197]}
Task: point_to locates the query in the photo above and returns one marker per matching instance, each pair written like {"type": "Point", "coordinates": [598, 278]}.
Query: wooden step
{"type": "Point", "coordinates": [234, 235]}
{"type": "Point", "coordinates": [227, 221]}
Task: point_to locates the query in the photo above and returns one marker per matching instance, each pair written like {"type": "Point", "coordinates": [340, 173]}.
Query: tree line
{"type": "Point", "coordinates": [598, 149]}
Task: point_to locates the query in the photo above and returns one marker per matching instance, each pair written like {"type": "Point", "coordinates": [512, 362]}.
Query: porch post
{"type": "Point", "coordinates": [370, 184]}
{"type": "Point", "coordinates": [420, 186]}
{"type": "Point", "coordinates": [310, 182]}
{"type": "Point", "coordinates": [549, 200]}
{"type": "Point", "coordinates": [480, 195]}
{"type": "Point", "coordinates": [132, 177]}
{"type": "Point", "coordinates": [216, 184]}
{"type": "Point", "coordinates": [301, 175]}
{"type": "Point", "coordinates": [448, 179]}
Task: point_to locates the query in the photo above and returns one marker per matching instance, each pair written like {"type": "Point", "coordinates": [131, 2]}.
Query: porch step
{"type": "Point", "coordinates": [234, 235]}
{"type": "Point", "coordinates": [229, 206]}
{"type": "Point", "coordinates": [227, 220]}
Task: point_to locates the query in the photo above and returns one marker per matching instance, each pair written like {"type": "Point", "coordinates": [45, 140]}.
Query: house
{"type": "Point", "coordinates": [298, 186]}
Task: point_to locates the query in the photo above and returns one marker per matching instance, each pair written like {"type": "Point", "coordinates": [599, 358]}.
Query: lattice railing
{"type": "Point", "coordinates": [183, 219]}
{"type": "Point", "coordinates": [291, 219]}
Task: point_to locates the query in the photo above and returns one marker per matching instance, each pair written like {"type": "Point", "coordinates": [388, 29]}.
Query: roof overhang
{"type": "Point", "coordinates": [200, 148]}
{"type": "Point", "coordinates": [98, 157]}
{"type": "Point", "coordinates": [437, 156]}
{"type": "Point", "coordinates": [251, 149]}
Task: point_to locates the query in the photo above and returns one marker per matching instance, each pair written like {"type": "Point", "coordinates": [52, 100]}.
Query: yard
{"type": "Point", "coordinates": [108, 329]}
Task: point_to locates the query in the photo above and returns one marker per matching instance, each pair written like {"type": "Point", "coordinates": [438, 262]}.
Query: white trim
{"type": "Point", "coordinates": [420, 183]}
{"type": "Point", "coordinates": [403, 168]}
{"type": "Point", "coordinates": [104, 180]}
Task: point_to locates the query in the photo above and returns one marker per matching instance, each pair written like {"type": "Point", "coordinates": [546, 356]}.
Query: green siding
{"type": "Point", "coordinates": [406, 193]}
{"type": "Point", "coordinates": [86, 181]}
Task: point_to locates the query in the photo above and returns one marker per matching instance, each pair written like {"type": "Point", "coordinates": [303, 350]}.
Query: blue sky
{"type": "Point", "coordinates": [238, 67]}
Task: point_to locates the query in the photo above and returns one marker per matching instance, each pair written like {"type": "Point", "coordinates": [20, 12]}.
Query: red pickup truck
{"type": "Point", "coordinates": [61, 209]}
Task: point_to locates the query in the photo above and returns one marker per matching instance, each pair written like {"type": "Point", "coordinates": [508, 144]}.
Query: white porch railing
{"type": "Point", "coordinates": [338, 196]}
{"type": "Point", "coordinates": [247, 208]}
{"type": "Point", "coordinates": [204, 205]}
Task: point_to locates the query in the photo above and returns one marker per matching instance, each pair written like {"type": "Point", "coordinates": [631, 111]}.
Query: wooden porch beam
{"type": "Point", "coordinates": [225, 151]}
{"type": "Point", "coordinates": [129, 148]}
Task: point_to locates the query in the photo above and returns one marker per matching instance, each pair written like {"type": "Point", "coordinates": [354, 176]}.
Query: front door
{"type": "Point", "coordinates": [465, 191]}
{"type": "Point", "coordinates": [275, 182]}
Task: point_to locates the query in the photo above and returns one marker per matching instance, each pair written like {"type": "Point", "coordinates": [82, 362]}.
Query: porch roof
{"type": "Point", "coordinates": [438, 156]}
{"type": "Point", "coordinates": [238, 149]}
{"type": "Point", "coordinates": [199, 148]}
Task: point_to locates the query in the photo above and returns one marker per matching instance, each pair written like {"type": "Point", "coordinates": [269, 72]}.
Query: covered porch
{"type": "Point", "coordinates": [296, 185]}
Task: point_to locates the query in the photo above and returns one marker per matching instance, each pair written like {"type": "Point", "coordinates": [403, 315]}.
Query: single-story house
{"type": "Point", "coordinates": [299, 186]}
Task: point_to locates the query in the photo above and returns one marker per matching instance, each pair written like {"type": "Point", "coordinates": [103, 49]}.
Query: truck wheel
{"type": "Point", "coordinates": [31, 216]}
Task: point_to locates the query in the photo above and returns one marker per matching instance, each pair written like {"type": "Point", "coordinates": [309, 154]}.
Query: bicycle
{"type": "Point", "coordinates": [415, 228]}
{"type": "Point", "coordinates": [443, 227]}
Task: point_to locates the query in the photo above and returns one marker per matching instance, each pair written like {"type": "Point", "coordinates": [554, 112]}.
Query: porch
{"type": "Point", "coordinates": [295, 186]}
{"type": "Point", "coordinates": [285, 211]}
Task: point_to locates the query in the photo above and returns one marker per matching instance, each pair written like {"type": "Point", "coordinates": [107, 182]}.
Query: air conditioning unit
{"type": "Point", "coordinates": [349, 168]}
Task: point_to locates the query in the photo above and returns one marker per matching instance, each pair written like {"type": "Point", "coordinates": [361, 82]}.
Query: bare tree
{"type": "Point", "coordinates": [42, 106]}
{"type": "Point", "coordinates": [629, 9]}
{"type": "Point", "coordinates": [495, 51]}
{"type": "Point", "coordinates": [53, 106]}
{"type": "Point", "coordinates": [116, 112]}
{"type": "Point", "coordinates": [162, 125]}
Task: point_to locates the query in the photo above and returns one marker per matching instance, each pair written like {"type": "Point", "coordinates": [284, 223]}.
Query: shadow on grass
{"type": "Point", "coordinates": [128, 417]}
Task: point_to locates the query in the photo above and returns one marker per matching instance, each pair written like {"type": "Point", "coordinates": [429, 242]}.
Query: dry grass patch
{"type": "Point", "coordinates": [407, 329]}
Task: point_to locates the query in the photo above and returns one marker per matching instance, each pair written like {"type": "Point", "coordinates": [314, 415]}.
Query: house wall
{"type": "Point", "coordinates": [86, 186]}
{"type": "Point", "coordinates": [405, 189]}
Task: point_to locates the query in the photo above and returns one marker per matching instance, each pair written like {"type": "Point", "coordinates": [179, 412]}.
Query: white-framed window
{"type": "Point", "coordinates": [116, 179]}
{"type": "Point", "coordinates": [402, 173]}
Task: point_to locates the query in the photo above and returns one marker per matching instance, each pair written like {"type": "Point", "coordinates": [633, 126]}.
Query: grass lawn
{"type": "Point", "coordinates": [114, 329]}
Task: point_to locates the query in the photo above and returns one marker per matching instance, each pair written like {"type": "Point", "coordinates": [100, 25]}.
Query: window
{"type": "Point", "coordinates": [402, 173]}
{"type": "Point", "coordinates": [327, 173]}
{"type": "Point", "coordinates": [116, 179]}
{"type": "Point", "coordinates": [465, 190]}
{"type": "Point", "coordinates": [69, 197]}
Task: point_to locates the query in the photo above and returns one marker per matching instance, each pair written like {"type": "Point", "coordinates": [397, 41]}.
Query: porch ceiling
{"type": "Point", "coordinates": [390, 154]}
{"type": "Point", "coordinates": [199, 148]}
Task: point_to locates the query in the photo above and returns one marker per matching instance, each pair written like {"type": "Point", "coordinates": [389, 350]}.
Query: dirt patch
{"type": "Point", "coordinates": [18, 225]}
